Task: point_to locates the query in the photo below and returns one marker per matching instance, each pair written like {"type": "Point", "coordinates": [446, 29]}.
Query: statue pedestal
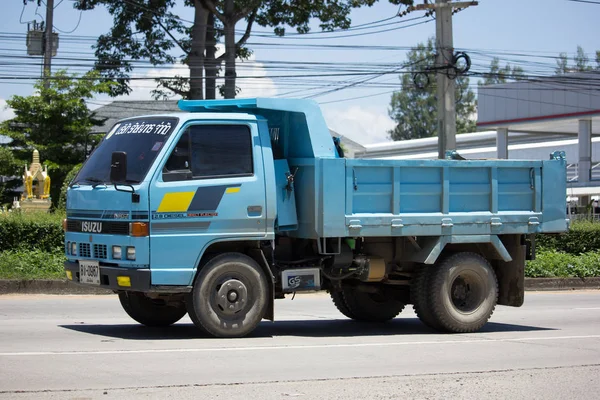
{"type": "Point", "coordinates": [35, 205]}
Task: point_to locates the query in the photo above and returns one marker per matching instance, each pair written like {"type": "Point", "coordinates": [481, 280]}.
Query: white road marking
{"type": "Point", "coordinates": [587, 308]}
{"type": "Point", "coordinates": [291, 347]}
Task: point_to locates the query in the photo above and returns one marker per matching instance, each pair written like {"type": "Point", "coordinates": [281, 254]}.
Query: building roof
{"type": "Point", "coordinates": [122, 109]}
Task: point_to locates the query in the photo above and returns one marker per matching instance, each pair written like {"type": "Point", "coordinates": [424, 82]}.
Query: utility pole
{"type": "Point", "coordinates": [48, 42]}
{"type": "Point", "coordinates": [446, 87]}
{"type": "Point", "coordinates": [445, 70]}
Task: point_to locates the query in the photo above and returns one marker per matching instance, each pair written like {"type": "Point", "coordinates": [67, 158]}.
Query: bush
{"type": "Point", "coordinates": [584, 236]}
{"type": "Point", "coordinates": [31, 264]}
{"type": "Point", "coordinates": [552, 263]}
{"type": "Point", "coordinates": [31, 231]}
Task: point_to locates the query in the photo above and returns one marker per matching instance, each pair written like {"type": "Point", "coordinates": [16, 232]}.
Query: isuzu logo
{"type": "Point", "coordinates": [91, 227]}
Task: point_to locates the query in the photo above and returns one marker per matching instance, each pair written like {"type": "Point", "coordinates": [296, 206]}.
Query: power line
{"type": "Point", "coordinates": [585, 1]}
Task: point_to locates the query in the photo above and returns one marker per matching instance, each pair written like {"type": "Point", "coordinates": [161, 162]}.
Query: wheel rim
{"type": "Point", "coordinates": [230, 297]}
{"type": "Point", "coordinates": [467, 292]}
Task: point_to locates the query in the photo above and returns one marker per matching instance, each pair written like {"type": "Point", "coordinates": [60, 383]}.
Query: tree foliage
{"type": "Point", "coordinates": [414, 108]}
{"type": "Point", "coordinates": [55, 121]}
{"type": "Point", "coordinates": [9, 168]}
{"type": "Point", "coordinates": [150, 30]}
{"type": "Point", "coordinates": [581, 62]}
{"type": "Point", "coordinates": [499, 74]}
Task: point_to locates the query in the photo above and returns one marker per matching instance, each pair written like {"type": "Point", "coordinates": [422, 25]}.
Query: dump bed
{"type": "Point", "coordinates": [355, 197]}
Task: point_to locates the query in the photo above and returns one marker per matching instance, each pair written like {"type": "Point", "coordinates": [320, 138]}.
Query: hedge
{"type": "Point", "coordinates": [584, 236]}
{"type": "Point", "coordinates": [31, 231]}
{"type": "Point", "coordinates": [31, 246]}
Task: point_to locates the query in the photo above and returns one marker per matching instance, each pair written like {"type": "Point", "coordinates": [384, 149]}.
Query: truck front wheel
{"type": "Point", "coordinates": [151, 312]}
{"type": "Point", "coordinates": [229, 298]}
{"type": "Point", "coordinates": [361, 305]}
{"type": "Point", "coordinates": [462, 292]}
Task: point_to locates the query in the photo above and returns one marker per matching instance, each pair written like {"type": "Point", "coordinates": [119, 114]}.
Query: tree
{"type": "Point", "coordinates": [581, 60]}
{"type": "Point", "coordinates": [562, 64]}
{"type": "Point", "coordinates": [9, 168]}
{"type": "Point", "coordinates": [501, 75]}
{"type": "Point", "coordinates": [56, 122]}
{"type": "Point", "coordinates": [414, 107]}
{"type": "Point", "coordinates": [149, 30]}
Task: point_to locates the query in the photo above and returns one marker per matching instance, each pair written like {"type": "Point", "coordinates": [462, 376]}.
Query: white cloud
{"type": "Point", "coordinates": [5, 111]}
{"type": "Point", "coordinates": [362, 124]}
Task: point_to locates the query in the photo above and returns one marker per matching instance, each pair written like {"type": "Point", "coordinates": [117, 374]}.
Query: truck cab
{"type": "Point", "coordinates": [218, 210]}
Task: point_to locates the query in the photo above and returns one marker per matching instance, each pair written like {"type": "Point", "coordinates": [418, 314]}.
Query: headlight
{"type": "Point", "coordinates": [131, 253]}
{"type": "Point", "coordinates": [116, 252]}
{"type": "Point", "coordinates": [73, 248]}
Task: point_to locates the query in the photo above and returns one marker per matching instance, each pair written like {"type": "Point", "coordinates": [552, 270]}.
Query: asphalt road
{"type": "Point", "coordinates": [85, 347]}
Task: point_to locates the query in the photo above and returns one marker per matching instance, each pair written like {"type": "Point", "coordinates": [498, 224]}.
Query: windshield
{"type": "Point", "coordinates": [140, 138]}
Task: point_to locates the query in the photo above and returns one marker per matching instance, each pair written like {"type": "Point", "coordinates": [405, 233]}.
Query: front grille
{"type": "Point", "coordinates": [84, 250]}
{"type": "Point", "coordinates": [100, 251]}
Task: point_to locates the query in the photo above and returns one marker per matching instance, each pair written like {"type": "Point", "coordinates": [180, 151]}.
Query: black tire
{"type": "Point", "coordinates": [229, 297]}
{"type": "Point", "coordinates": [419, 296]}
{"type": "Point", "coordinates": [462, 293]}
{"type": "Point", "coordinates": [363, 306]}
{"type": "Point", "coordinates": [151, 312]}
{"type": "Point", "coordinates": [338, 300]}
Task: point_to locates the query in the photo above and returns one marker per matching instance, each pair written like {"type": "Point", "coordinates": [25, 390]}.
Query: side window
{"type": "Point", "coordinates": [179, 160]}
{"type": "Point", "coordinates": [211, 151]}
{"type": "Point", "coordinates": [221, 150]}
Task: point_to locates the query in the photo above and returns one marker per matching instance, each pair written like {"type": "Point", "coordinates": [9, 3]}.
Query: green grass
{"type": "Point", "coordinates": [31, 264]}
{"type": "Point", "coordinates": [557, 264]}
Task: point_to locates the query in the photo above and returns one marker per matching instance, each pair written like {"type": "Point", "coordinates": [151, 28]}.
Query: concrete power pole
{"type": "Point", "coordinates": [48, 42]}
{"type": "Point", "coordinates": [446, 94]}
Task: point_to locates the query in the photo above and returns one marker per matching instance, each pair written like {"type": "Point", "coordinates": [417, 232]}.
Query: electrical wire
{"type": "Point", "coordinates": [72, 30]}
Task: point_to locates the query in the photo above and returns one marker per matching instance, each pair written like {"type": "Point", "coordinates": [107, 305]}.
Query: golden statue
{"type": "Point", "coordinates": [37, 185]}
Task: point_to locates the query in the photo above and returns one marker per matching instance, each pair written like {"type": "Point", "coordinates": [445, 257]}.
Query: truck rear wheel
{"type": "Point", "coordinates": [365, 306]}
{"type": "Point", "coordinates": [151, 312]}
{"type": "Point", "coordinates": [462, 293]}
{"type": "Point", "coordinates": [419, 296]}
{"type": "Point", "coordinates": [229, 298]}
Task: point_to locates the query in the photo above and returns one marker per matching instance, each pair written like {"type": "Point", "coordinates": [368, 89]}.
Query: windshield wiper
{"type": "Point", "coordinates": [93, 180]}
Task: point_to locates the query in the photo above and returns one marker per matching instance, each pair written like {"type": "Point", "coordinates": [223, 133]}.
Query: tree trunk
{"type": "Point", "coordinates": [229, 26]}
{"type": "Point", "coordinates": [196, 58]}
{"type": "Point", "coordinates": [210, 63]}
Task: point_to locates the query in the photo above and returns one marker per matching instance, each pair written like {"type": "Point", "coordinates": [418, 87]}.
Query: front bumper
{"type": "Point", "coordinates": [140, 278]}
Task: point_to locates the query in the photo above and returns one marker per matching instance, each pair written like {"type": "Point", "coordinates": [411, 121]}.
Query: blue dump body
{"type": "Point", "coordinates": [262, 178]}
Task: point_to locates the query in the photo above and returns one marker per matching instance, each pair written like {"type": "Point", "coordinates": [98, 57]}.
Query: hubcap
{"type": "Point", "coordinates": [466, 292]}
{"type": "Point", "coordinates": [232, 296]}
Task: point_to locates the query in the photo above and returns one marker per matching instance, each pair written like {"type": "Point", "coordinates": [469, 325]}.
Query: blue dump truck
{"type": "Point", "coordinates": [220, 209]}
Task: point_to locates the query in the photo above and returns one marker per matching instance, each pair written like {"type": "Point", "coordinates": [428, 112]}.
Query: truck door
{"type": "Point", "coordinates": [211, 188]}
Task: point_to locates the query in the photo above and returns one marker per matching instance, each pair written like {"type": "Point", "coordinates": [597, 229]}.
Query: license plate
{"type": "Point", "coordinates": [89, 272]}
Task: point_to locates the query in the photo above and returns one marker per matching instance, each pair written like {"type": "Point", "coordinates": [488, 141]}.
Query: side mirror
{"type": "Point", "coordinates": [118, 167]}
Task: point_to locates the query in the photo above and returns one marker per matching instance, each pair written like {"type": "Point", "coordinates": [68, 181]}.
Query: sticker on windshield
{"type": "Point", "coordinates": [157, 146]}
{"type": "Point", "coordinates": [112, 131]}
{"type": "Point", "coordinates": [161, 128]}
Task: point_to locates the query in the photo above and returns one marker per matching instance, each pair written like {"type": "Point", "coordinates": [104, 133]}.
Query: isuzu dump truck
{"type": "Point", "coordinates": [220, 209]}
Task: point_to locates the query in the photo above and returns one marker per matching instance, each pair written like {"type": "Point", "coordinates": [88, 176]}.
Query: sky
{"type": "Point", "coordinates": [523, 32]}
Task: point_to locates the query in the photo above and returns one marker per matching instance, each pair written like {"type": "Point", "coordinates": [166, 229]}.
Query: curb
{"type": "Point", "coordinates": [48, 286]}
{"type": "Point", "coordinates": [541, 284]}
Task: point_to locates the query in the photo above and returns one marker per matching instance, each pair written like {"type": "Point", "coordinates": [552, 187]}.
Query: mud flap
{"type": "Point", "coordinates": [511, 274]}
